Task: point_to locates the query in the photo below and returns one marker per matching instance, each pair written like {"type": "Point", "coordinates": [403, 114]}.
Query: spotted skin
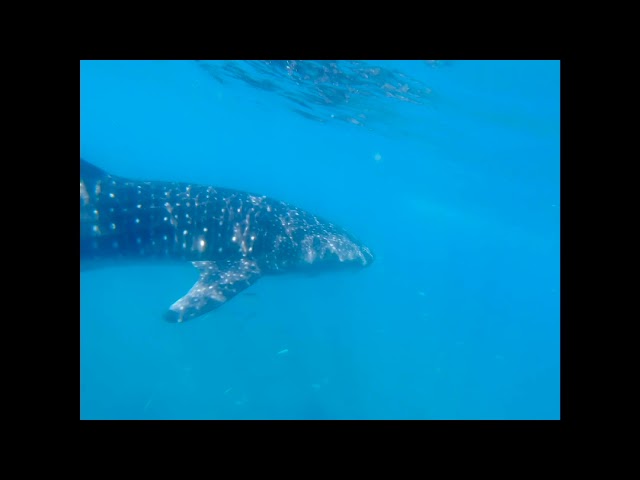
{"type": "Point", "coordinates": [232, 237]}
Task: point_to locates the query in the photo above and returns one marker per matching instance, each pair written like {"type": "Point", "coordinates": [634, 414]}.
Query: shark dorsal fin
{"type": "Point", "coordinates": [89, 171]}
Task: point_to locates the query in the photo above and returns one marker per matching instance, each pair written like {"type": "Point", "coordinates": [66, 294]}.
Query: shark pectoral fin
{"type": "Point", "coordinates": [218, 283]}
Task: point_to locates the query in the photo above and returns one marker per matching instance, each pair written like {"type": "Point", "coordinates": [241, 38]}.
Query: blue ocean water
{"type": "Point", "coordinates": [448, 170]}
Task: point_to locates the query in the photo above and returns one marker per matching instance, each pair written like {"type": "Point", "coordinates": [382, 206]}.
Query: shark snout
{"type": "Point", "coordinates": [367, 256]}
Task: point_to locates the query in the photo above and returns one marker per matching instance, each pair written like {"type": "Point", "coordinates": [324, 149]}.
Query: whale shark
{"type": "Point", "coordinates": [233, 238]}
